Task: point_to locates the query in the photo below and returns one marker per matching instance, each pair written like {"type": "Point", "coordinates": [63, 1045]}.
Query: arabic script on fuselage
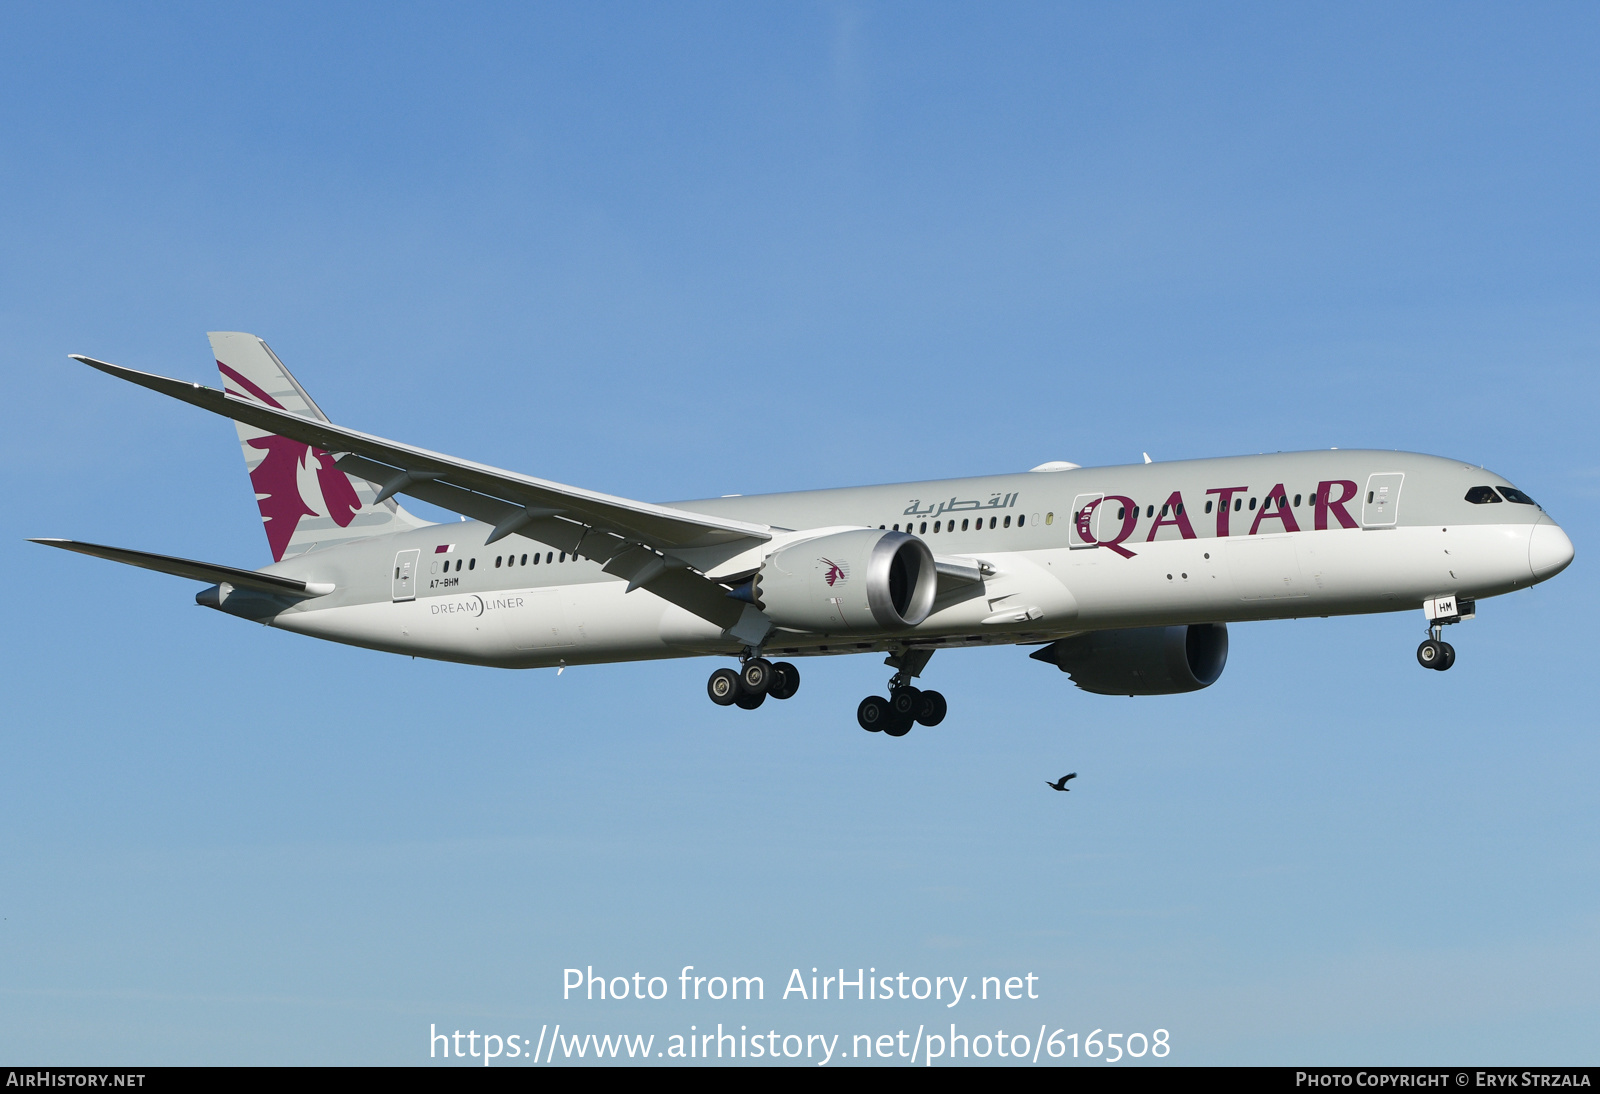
{"type": "Point", "coordinates": [954, 505]}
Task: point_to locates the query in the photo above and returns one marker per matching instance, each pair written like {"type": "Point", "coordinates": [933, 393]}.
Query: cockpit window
{"type": "Point", "coordinates": [1513, 494]}
{"type": "Point", "coordinates": [1483, 495]}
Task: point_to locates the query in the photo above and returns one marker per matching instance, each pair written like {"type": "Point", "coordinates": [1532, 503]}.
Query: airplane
{"type": "Point", "coordinates": [1123, 577]}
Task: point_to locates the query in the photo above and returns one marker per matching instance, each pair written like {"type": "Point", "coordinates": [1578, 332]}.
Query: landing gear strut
{"type": "Point", "coordinates": [748, 686]}
{"type": "Point", "coordinates": [906, 705]}
{"type": "Point", "coordinates": [1435, 652]}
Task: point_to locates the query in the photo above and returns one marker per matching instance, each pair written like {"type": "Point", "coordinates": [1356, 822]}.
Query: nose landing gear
{"type": "Point", "coordinates": [749, 685]}
{"type": "Point", "coordinates": [1435, 653]}
{"type": "Point", "coordinates": [906, 705]}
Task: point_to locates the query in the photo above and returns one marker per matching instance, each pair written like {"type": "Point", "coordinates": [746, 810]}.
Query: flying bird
{"type": "Point", "coordinates": [1061, 783]}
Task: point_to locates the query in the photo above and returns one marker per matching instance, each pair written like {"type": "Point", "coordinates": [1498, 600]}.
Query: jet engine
{"type": "Point", "coordinates": [866, 580]}
{"type": "Point", "coordinates": [1142, 660]}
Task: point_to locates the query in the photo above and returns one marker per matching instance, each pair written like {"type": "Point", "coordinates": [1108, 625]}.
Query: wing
{"type": "Point", "coordinates": [199, 571]}
{"type": "Point", "coordinates": [651, 546]}
{"type": "Point", "coordinates": [1074, 775]}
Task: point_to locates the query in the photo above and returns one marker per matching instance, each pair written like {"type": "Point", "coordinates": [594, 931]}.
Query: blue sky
{"type": "Point", "coordinates": [689, 250]}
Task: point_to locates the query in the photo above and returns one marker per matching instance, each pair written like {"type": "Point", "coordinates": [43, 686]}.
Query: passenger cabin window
{"type": "Point", "coordinates": [1238, 504]}
{"type": "Point", "coordinates": [496, 562]}
{"type": "Point", "coordinates": [1208, 507]}
{"type": "Point", "coordinates": [924, 530]}
{"type": "Point", "coordinates": [525, 559]}
{"type": "Point", "coordinates": [1008, 522]}
{"type": "Point", "coordinates": [472, 565]}
{"type": "Point", "coordinates": [1483, 495]}
{"type": "Point", "coordinates": [1297, 501]}
{"type": "Point", "coordinates": [964, 525]}
{"type": "Point", "coordinates": [1022, 519]}
{"type": "Point", "coordinates": [1514, 495]}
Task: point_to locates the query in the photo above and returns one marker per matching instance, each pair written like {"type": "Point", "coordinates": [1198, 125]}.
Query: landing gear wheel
{"type": "Point", "coordinates": [785, 681]}
{"type": "Point", "coordinates": [903, 701]}
{"type": "Point", "coordinates": [899, 725]}
{"type": "Point", "coordinates": [1449, 657]}
{"type": "Point", "coordinates": [746, 701]}
{"type": "Point", "coordinates": [874, 713]}
{"type": "Point", "coordinates": [930, 709]}
{"type": "Point", "coordinates": [1430, 655]}
{"type": "Point", "coordinates": [757, 675]}
{"type": "Point", "coordinates": [723, 687]}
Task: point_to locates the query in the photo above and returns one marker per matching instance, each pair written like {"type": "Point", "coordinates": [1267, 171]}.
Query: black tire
{"type": "Point", "coordinates": [785, 681]}
{"type": "Point", "coordinates": [1449, 657]}
{"type": "Point", "coordinates": [931, 708]}
{"type": "Point", "coordinates": [899, 725]}
{"type": "Point", "coordinates": [1430, 653]}
{"type": "Point", "coordinates": [746, 701]}
{"type": "Point", "coordinates": [724, 687]}
{"type": "Point", "coordinates": [903, 701]}
{"type": "Point", "coordinates": [756, 675]}
{"type": "Point", "coordinates": [873, 713]}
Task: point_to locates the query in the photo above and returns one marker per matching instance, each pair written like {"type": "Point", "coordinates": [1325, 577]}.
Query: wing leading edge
{"type": "Point", "coordinates": [652, 546]}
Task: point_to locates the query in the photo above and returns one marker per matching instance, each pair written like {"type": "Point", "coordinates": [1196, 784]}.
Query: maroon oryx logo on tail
{"type": "Point", "coordinates": [837, 572]}
{"type": "Point", "coordinates": [277, 477]}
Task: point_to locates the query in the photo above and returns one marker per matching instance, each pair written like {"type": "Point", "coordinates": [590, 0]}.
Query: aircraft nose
{"type": "Point", "coordinates": [1549, 550]}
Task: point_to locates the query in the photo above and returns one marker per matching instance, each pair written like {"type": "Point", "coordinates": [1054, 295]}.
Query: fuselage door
{"type": "Point", "coordinates": [405, 574]}
{"type": "Point", "coordinates": [1381, 506]}
{"type": "Point", "coordinates": [1081, 523]}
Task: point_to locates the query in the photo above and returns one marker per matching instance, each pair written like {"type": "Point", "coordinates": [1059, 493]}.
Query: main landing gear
{"type": "Point", "coordinates": [754, 680]}
{"type": "Point", "coordinates": [906, 705]}
{"type": "Point", "coordinates": [1436, 653]}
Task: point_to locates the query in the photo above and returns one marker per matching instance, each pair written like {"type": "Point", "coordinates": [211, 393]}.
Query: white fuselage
{"type": "Point", "coordinates": [1048, 571]}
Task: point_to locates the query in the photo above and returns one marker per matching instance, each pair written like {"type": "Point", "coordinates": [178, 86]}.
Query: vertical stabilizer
{"type": "Point", "coordinates": [305, 500]}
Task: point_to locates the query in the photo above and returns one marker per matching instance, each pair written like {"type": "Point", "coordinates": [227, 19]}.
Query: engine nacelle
{"type": "Point", "coordinates": [867, 580]}
{"type": "Point", "coordinates": [1142, 660]}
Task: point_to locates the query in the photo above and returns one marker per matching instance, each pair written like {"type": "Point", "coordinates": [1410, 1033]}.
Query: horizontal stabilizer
{"type": "Point", "coordinates": [199, 571]}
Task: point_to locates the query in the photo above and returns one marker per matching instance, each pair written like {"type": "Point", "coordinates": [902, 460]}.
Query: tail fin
{"type": "Point", "coordinates": [305, 500]}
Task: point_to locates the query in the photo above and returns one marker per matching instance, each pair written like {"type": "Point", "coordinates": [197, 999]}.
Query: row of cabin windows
{"type": "Point", "coordinates": [512, 560]}
{"type": "Point", "coordinates": [1282, 501]}
{"type": "Point", "coordinates": [950, 525]}
{"type": "Point", "coordinates": [1239, 504]}
{"type": "Point", "coordinates": [550, 557]}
